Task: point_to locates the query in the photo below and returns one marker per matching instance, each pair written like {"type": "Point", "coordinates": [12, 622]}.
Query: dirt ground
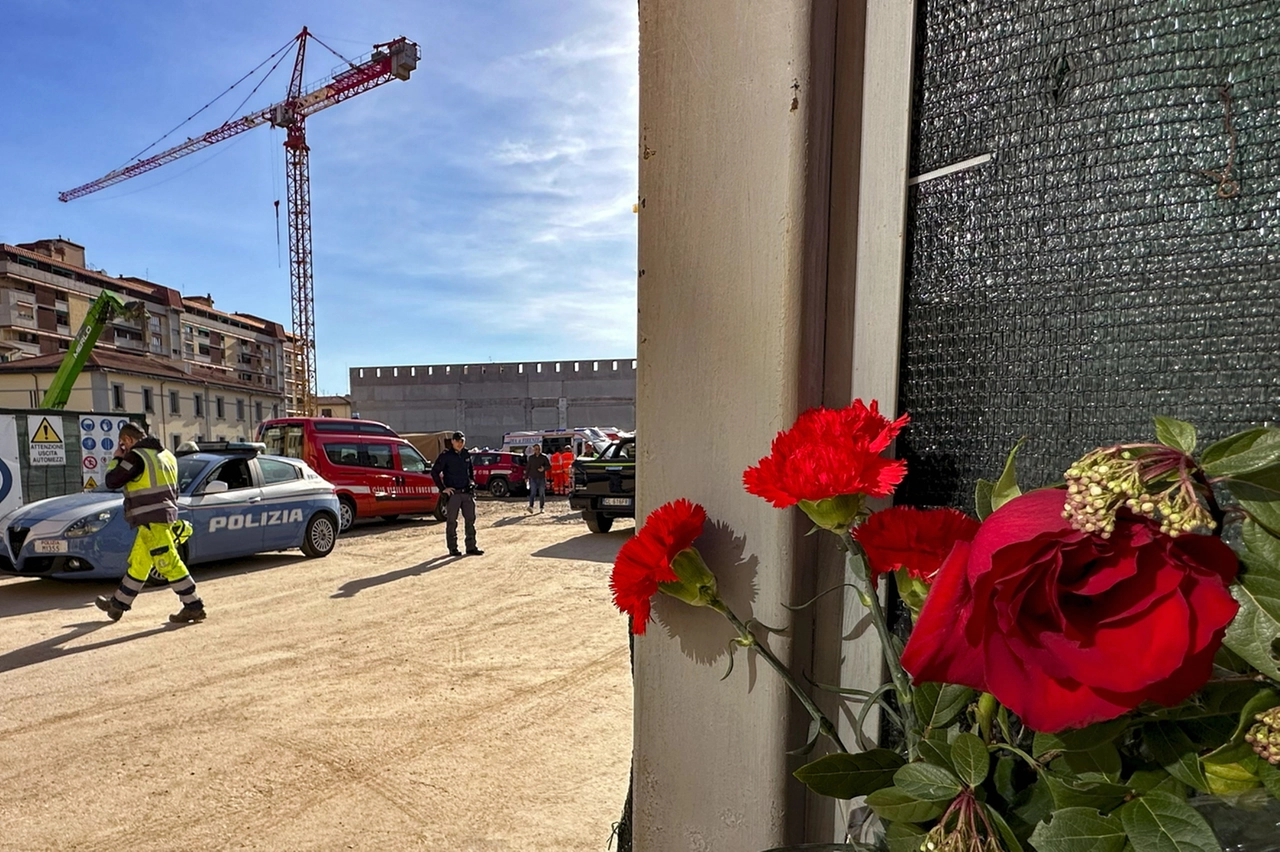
{"type": "Point", "coordinates": [387, 697]}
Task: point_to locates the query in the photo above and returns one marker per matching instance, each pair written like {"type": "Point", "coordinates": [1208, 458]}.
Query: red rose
{"type": "Point", "coordinates": [1067, 628]}
{"type": "Point", "coordinates": [829, 453]}
{"type": "Point", "coordinates": [645, 560]}
{"type": "Point", "coordinates": [915, 539]}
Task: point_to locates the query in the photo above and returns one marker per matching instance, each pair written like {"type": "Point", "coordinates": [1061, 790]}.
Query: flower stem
{"type": "Point", "coordinates": [857, 563]}
{"type": "Point", "coordinates": [748, 640]}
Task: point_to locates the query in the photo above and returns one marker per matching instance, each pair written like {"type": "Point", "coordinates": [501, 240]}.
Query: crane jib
{"type": "Point", "coordinates": [393, 60]}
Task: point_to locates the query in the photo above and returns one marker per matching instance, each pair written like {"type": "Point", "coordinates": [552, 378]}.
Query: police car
{"type": "Point", "coordinates": [238, 501]}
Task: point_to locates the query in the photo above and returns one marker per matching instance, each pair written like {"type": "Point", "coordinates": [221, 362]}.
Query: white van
{"type": "Point", "coordinates": [555, 440]}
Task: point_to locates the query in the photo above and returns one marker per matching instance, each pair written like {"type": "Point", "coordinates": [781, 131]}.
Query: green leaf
{"type": "Point", "coordinates": [1006, 487]}
{"type": "Point", "coordinates": [971, 759]}
{"type": "Point", "coordinates": [1103, 759]}
{"type": "Point", "coordinates": [896, 805]}
{"type": "Point", "coordinates": [1079, 830]}
{"type": "Point", "coordinates": [1257, 590]}
{"type": "Point", "coordinates": [1176, 433]}
{"type": "Point", "coordinates": [937, 752]}
{"type": "Point", "coordinates": [1146, 780]}
{"type": "Point", "coordinates": [1003, 776]}
{"type": "Point", "coordinates": [1231, 445]}
{"type": "Point", "coordinates": [928, 782]}
{"type": "Point", "coordinates": [1262, 451]}
{"type": "Point", "coordinates": [982, 498]}
{"type": "Point", "coordinates": [1259, 495]}
{"type": "Point", "coordinates": [1229, 752]}
{"type": "Point", "coordinates": [845, 776]}
{"type": "Point", "coordinates": [1079, 739]}
{"type": "Point", "coordinates": [938, 704]}
{"type": "Point", "coordinates": [1036, 804]}
{"type": "Point", "coordinates": [1009, 839]}
{"type": "Point", "coordinates": [1077, 792]}
{"type": "Point", "coordinates": [904, 837]}
{"type": "Point", "coordinates": [1161, 822]}
{"type": "Point", "coordinates": [1173, 750]}
{"type": "Point", "coordinates": [1270, 777]}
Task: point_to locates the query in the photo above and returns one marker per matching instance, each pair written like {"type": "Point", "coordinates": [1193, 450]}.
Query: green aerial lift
{"type": "Point", "coordinates": [107, 307]}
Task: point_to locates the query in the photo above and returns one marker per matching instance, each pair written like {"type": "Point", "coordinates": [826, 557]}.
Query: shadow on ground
{"type": "Point", "coordinates": [592, 547]}
{"type": "Point", "coordinates": [354, 587]}
{"type": "Point", "coordinates": [40, 594]}
{"type": "Point", "coordinates": [50, 649]}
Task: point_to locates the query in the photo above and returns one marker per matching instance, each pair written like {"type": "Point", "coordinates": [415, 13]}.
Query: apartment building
{"type": "Point", "coordinates": [46, 289]}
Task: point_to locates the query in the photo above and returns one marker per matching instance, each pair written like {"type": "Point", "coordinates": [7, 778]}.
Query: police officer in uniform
{"type": "Point", "coordinates": [455, 477]}
{"type": "Point", "coordinates": [149, 475]}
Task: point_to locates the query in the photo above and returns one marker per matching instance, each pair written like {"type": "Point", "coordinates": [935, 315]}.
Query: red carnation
{"type": "Point", "coordinates": [645, 560]}
{"type": "Point", "coordinates": [828, 454]}
{"type": "Point", "coordinates": [915, 539]}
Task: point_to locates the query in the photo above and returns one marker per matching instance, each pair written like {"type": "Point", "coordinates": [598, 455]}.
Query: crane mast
{"type": "Point", "coordinates": [393, 60]}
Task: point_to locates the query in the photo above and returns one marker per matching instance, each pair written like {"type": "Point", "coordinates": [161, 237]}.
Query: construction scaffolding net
{"type": "Point", "coordinates": [1093, 231]}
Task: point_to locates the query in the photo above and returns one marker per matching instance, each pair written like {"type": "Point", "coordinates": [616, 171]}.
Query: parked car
{"type": "Point", "coordinates": [499, 473]}
{"type": "Point", "coordinates": [377, 473]}
{"type": "Point", "coordinates": [238, 501]}
{"type": "Point", "coordinates": [604, 488]}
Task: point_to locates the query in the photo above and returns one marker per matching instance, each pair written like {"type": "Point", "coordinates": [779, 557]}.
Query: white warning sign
{"type": "Point", "coordinates": [47, 446]}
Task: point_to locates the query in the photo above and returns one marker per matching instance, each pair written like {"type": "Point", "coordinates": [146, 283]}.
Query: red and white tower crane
{"type": "Point", "coordinates": [393, 60]}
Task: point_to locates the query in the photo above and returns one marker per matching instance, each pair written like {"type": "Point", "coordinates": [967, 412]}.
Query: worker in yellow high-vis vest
{"type": "Point", "coordinates": [148, 473]}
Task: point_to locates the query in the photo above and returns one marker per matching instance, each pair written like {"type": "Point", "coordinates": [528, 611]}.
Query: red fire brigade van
{"type": "Point", "coordinates": [375, 471]}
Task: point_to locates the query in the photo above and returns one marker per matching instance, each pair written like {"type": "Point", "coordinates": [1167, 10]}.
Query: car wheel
{"type": "Point", "coordinates": [346, 513]}
{"type": "Point", "coordinates": [597, 523]}
{"type": "Point", "coordinates": [439, 513]}
{"type": "Point", "coordinates": [498, 486]}
{"type": "Point", "coordinates": [321, 535]}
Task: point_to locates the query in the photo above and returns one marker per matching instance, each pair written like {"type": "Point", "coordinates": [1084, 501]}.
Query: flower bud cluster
{"type": "Point", "coordinates": [1156, 484]}
{"type": "Point", "coordinates": [961, 837]}
{"type": "Point", "coordinates": [1265, 736]}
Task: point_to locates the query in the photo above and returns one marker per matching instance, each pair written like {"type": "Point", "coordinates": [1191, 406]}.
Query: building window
{"type": "Point", "coordinates": [326, 412]}
{"type": "Point", "coordinates": [257, 411]}
{"type": "Point", "coordinates": [175, 440]}
{"type": "Point", "coordinates": [198, 399]}
{"type": "Point", "coordinates": [219, 411]}
{"type": "Point", "coordinates": [239, 409]}
{"type": "Point", "coordinates": [147, 402]}
{"type": "Point", "coordinates": [175, 405]}
{"type": "Point", "coordinates": [117, 397]}
{"type": "Point", "coordinates": [275, 410]}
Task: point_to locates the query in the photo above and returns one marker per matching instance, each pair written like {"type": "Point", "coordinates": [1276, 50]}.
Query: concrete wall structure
{"type": "Point", "coordinates": [488, 400]}
{"type": "Point", "coordinates": [772, 181]}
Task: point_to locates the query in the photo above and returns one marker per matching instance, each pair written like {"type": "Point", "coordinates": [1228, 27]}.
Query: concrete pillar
{"type": "Point", "coordinates": [735, 108]}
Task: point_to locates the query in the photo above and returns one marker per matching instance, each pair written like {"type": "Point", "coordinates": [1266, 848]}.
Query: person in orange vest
{"type": "Point", "coordinates": [566, 465]}
{"type": "Point", "coordinates": [557, 472]}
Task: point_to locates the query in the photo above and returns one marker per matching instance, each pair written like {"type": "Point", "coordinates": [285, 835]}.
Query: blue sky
{"type": "Point", "coordinates": [480, 211]}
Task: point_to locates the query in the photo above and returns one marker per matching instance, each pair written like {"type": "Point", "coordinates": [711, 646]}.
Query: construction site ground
{"type": "Point", "coordinates": [386, 697]}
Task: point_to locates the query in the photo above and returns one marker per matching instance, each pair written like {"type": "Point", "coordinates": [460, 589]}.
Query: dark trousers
{"type": "Point", "coordinates": [538, 489]}
{"type": "Point", "coordinates": [460, 500]}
